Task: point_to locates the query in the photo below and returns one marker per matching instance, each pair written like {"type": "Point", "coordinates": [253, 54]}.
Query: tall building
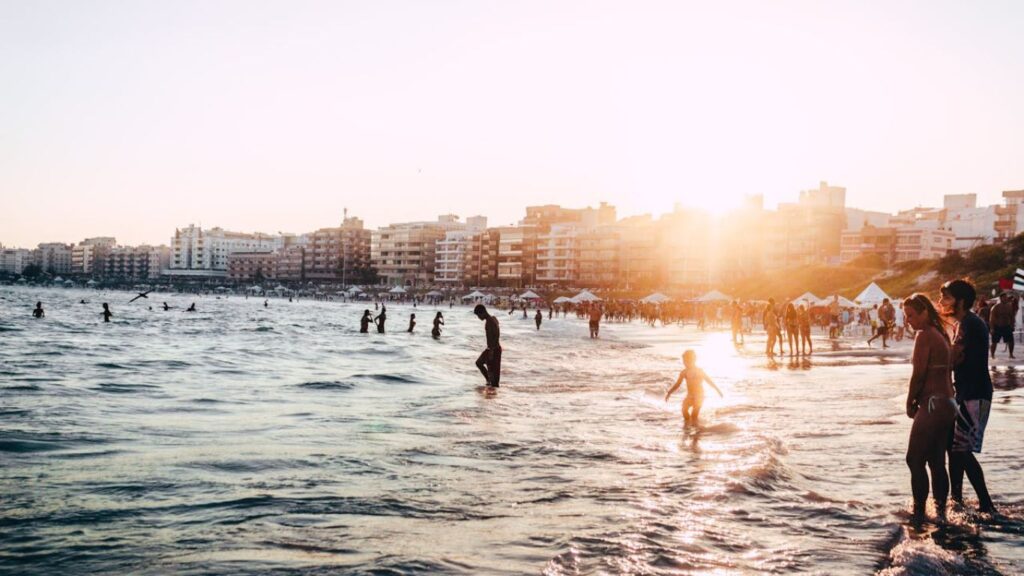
{"type": "Point", "coordinates": [87, 256]}
{"type": "Point", "coordinates": [134, 262]}
{"type": "Point", "coordinates": [290, 264]}
{"type": "Point", "coordinates": [453, 249]}
{"type": "Point", "coordinates": [480, 262]}
{"type": "Point", "coordinates": [252, 266]}
{"type": "Point", "coordinates": [340, 254]}
{"type": "Point", "coordinates": [972, 226]}
{"type": "Point", "coordinates": [405, 254]}
{"type": "Point", "coordinates": [1010, 216]}
{"type": "Point", "coordinates": [53, 257]}
{"type": "Point", "coordinates": [14, 260]}
{"type": "Point", "coordinates": [895, 244]}
{"type": "Point", "coordinates": [199, 252]}
{"type": "Point", "coordinates": [808, 232]}
{"type": "Point", "coordinates": [639, 265]}
{"type": "Point", "coordinates": [549, 251]}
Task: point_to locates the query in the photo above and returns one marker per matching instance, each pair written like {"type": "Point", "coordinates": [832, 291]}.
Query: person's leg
{"type": "Point", "coordinates": [695, 412]}
{"type": "Point", "coordinates": [494, 368]}
{"type": "Point", "coordinates": [956, 477]}
{"type": "Point", "coordinates": [481, 363]}
{"type": "Point", "coordinates": [917, 458]}
{"type": "Point", "coordinates": [976, 476]}
{"type": "Point", "coordinates": [687, 403]}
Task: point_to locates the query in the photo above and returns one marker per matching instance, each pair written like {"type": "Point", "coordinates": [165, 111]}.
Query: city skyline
{"type": "Point", "coordinates": [248, 116]}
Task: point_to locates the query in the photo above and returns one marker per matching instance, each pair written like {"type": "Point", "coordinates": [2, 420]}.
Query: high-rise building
{"type": "Point", "coordinates": [453, 249]}
{"type": "Point", "coordinates": [340, 254]}
{"type": "Point", "coordinates": [405, 254]}
{"type": "Point", "coordinates": [134, 262]}
{"type": "Point", "coordinates": [195, 251]}
{"type": "Point", "coordinates": [53, 257]}
{"type": "Point", "coordinates": [14, 260]}
{"type": "Point", "coordinates": [252, 266]}
{"type": "Point", "coordinates": [1010, 216]}
{"type": "Point", "coordinates": [480, 263]}
{"type": "Point", "coordinates": [808, 232]}
{"type": "Point", "coordinates": [87, 256]}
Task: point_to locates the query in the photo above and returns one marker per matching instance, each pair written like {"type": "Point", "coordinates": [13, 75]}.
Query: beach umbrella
{"type": "Point", "coordinates": [844, 302]}
{"type": "Point", "coordinates": [656, 298]}
{"type": "Point", "coordinates": [529, 295]}
{"type": "Point", "coordinates": [58, 279]}
{"type": "Point", "coordinates": [562, 299]}
{"type": "Point", "coordinates": [473, 294]}
{"type": "Point", "coordinates": [435, 293]}
{"type": "Point", "coordinates": [355, 289]}
{"type": "Point", "coordinates": [585, 296]}
{"type": "Point", "coordinates": [397, 290]}
{"type": "Point", "coordinates": [69, 283]}
{"type": "Point", "coordinates": [90, 282]}
{"type": "Point", "coordinates": [808, 297]}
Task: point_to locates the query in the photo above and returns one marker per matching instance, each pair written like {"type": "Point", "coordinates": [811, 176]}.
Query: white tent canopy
{"type": "Point", "coordinates": [844, 302]}
{"type": "Point", "coordinates": [397, 290]}
{"type": "Point", "coordinates": [529, 295]}
{"type": "Point", "coordinates": [355, 289]}
{"type": "Point", "coordinates": [714, 296]}
{"type": "Point", "coordinates": [656, 298]}
{"type": "Point", "coordinates": [585, 296]}
{"type": "Point", "coordinates": [808, 297]}
{"type": "Point", "coordinates": [435, 293]}
{"type": "Point", "coordinates": [562, 299]}
{"type": "Point", "coordinates": [871, 295]}
{"type": "Point", "coordinates": [473, 294]}
{"type": "Point", "coordinates": [255, 289]}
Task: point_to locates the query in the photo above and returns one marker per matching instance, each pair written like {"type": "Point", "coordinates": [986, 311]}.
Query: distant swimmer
{"type": "Point", "coordinates": [695, 378]}
{"type": "Point", "coordinates": [166, 307]}
{"type": "Point", "coordinates": [106, 312]}
{"type": "Point", "coordinates": [266, 303]}
{"type": "Point", "coordinates": [191, 308]}
{"type": "Point", "coordinates": [38, 312]}
{"type": "Point", "coordinates": [489, 361]}
{"type": "Point", "coordinates": [438, 322]}
{"type": "Point", "coordinates": [364, 322]}
{"type": "Point", "coordinates": [412, 322]}
{"type": "Point", "coordinates": [141, 295]}
{"type": "Point", "coordinates": [381, 318]}
{"type": "Point", "coordinates": [82, 301]}
{"type": "Point", "coordinates": [538, 318]}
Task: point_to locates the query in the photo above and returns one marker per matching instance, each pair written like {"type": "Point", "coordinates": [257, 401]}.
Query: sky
{"type": "Point", "coordinates": [131, 118]}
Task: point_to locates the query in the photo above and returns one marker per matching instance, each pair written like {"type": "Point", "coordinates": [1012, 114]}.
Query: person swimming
{"type": "Point", "coordinates": [695, 378]}
{"type": "Point", "coordinates": [106, 312]}
{"type": "Point", "coordinates": [438, 322]}
{"type": "Point", "coordinates": [38, 312]}
{"type": "Point", "coordinates": [191, 308]}
{"type": "Point", "coordinates": [364, 322]}
{"type": "Point", "coordinates": [412, 322]}
{"type": "Point", "coordinates": [166, 307]}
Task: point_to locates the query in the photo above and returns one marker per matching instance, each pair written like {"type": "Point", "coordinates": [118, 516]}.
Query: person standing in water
{"type": "Point", "coordinates": [792, 328]}
{"type": "Point", "coordinates": [412, 322]}
{"type": "Point", "coordinates": [538, 318]}
{"type": "Point", "coordinates": [191, 308]}
{"type": "Point", "coordinates": [930, 403]}
{"type": "Point", "coordinates": [106, 312]}
{"type": "Point", "coordinates": [973, 385]}
{"type": "Point", "coordinates": [695, 379]}
{"type": "Point", "coordinates": [438, 322]}
{"type": "Point", "coordinates": [364, 322]}
{"type": "Point", "coordinates": [1001, 319]}
{"type": "Point", "coordinates": [804, 322]}
{"type": "Point", "coordinates": [489, 361]}
{"type": "Point", "coordinates": [771, 327]}
{"type": "Point", "coordinates": [595, 320]}
{"type": "Point", "coordinates": [38, 312]}
{"type": "Point", "coordinates": [381, 318]}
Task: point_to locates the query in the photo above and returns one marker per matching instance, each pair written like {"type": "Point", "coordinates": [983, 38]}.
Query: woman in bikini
{"type": "Point", "coordinates": [930, 403]}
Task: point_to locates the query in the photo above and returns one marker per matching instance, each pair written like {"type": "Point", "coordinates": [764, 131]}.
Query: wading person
{"type": "Point", "coordinates": [930, 403]}
{"type": "Point", "coordinates": [1001, 320]}
{"type": "Point", "coordinates": [38, 312]}
{"type": "Point", "coordinates": [792, 328]}
{"type": "Point", "coordinates": [412, 322]}
{"type": "Point", "coordinates": [771, 327]}
{"type": "Point", "coordinates": [595, 320]}
{"type": "Point", "coordinates": [695, 379]}
{"type": "Point", "coordinates": [381, 318]}
{"type": "Point", "coordinates": [364, 322]}
{"type": "Point", "coordinates": [538, 318]}
{"type": "Point", "coordinates": [489, 361]}
{"type": "Point", "coordinates": [438, 322]}
{"type": "Point", "coordinates": [973, 386]}
{"type": "Point", "coordinates": [804, 321]}
{"type": "Point", "coordinates": [106, 312]}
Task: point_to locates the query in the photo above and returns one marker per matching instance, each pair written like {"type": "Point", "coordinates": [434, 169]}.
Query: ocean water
{"type": "Point", "coordinates": [241, 440]}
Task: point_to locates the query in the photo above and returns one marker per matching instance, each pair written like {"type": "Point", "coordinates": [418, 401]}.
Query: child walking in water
{"type": "Point", "coordinates": [695, 378]}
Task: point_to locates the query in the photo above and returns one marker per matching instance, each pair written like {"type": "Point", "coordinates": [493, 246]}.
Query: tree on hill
{"type": "Point", "coordinates": [1015, 249]}
{"type": "Point", "coordinates": [986, 258]}
{"type": "Point", "coordinates": [952, 263]}
{"type": "Point", "coordinates": [32, 271]}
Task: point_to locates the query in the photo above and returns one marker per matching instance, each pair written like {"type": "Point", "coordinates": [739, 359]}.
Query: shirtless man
{"type": "Point", "coordinates": [1000, 322]}
{"type": "Point", "coordinates": [489, 361]}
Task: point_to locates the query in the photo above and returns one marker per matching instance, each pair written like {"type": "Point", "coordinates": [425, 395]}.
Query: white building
{"type": "Point", "coordinates": [86, 253]}
{"type": "Point", "coordinates": [972, 226]}
{"type": "Point", "coordinates": [195, 251]}
{"type": "Point", "coordinates": [14, 260]}
{"type": "Point", "coordinates": [406, 253]}
{"type": "Point", "coordinates": [556, 254]}
{"type": "Point", "coordinates": [53, 257]}
{"type": "Point", "coordinates": [449, 264]}
{"type": "Point", "coordinates": [914, 243]}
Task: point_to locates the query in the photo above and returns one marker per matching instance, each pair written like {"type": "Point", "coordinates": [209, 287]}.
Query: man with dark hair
{"type": "Point", "coordinates": [973, 385]}
{"type": "Point", "coordinates": [489, 361]}
{"type": "Point", "coordinates": [1001, 320]}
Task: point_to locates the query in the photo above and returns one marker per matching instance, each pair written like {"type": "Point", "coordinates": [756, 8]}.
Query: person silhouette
{"type": "Point", "coordinates": [106, 312]}
{"type": "Point", "coordinates": [489, 361]}
{"type": "Point", "coordinates": [538, 318]}
{"type": "Point", "coordinates": [38, 312]}
{"type": "Point", "coordinates": [364, 322]}
{"type": "Point", "coordinates": [412, 322]}
{"type": "Point", "coordinates": [438, 322]}
{"type": "Point", "coordinates": [191, 308]}
{"type": "Point", "coordinates": [381, 318]}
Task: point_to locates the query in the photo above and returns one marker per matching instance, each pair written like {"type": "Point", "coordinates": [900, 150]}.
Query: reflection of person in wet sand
{"type": "Point", "coordinates": [438, 322]}
{"type": "Point", "coordinates": [364, 322]}
{"type": "Point", "coordinates": [489, 361]}
{"type": "Point", "coordinates": [695, 378]}
{"type": "Point", "coordinates": [930, 403]}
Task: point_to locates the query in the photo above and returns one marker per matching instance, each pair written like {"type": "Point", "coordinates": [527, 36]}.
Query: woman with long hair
{"type": "Point", "coordinates": [792, 328]}
{"type": "Point", "coordinates": [930, 402]}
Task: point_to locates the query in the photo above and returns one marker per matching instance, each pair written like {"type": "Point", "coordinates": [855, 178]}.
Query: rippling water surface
{"type": "Point", "coordinates": [244, 439]}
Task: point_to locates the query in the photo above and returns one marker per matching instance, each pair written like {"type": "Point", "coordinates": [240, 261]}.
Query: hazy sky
{"type": "Point", "coordinates": [130, 118]}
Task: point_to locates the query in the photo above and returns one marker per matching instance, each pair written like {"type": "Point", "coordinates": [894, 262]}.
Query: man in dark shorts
{"type": "Point", "coordinates": [595, 320]}
{"type": "Point", "coordinates": [973, 385]}
{"type": "Point", "coordinates": [489, 361]}
{"type": "Point", "coordinates": [1001, 319]}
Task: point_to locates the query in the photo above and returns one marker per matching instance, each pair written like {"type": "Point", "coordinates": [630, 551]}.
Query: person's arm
{"type": "Point", "coordinates": [674, 386]}
{"type": "Point", "coordinates": [709, 381]}
{"type": "Point", "coordinates": [919, 373]}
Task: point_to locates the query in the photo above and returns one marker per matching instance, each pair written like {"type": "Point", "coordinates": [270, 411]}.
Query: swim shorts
{"type": "Point", "coordinates": [969, 430]}
{"type": "Point", "coordinates": [1002, 333]}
